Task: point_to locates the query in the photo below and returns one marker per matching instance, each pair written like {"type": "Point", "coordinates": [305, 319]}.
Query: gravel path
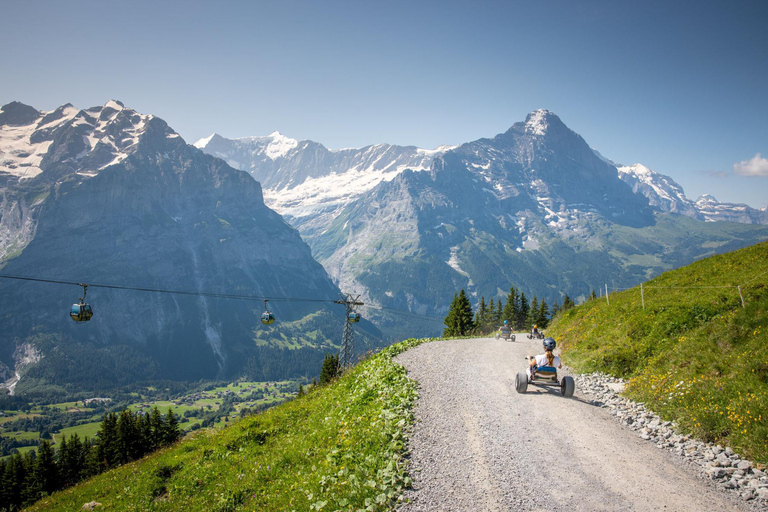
{"type": "Point", "coordinates": [477, 445]}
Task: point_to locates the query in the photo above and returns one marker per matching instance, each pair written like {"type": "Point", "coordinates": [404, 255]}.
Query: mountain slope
{"type": "Point", "coordinates": [340, 446]}
{"type": "Point", "coordinates": [116, 197]}
{"type": "Point", "coordinates": [692, 351]}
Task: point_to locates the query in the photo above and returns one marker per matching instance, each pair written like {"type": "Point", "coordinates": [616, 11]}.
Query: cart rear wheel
{"type": "Point", "coordinates": [521, 382]}
{"type": "Point", "coordinates": [567, 386]}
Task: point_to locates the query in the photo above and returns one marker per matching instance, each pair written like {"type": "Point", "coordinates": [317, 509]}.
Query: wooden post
{"type": "Point", "coordinates": [642, 297]}
{"type": "Point", "coordinates": [742, 297]}
{"type": "Point", "coordinates": [606, 294]}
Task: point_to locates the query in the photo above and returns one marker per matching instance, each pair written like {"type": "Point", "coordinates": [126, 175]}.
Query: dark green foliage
{"type": "Point", "coordinates": [330, 369]}
{"type": "Point", "coordinates": [521, 319]}
{"type": "Point", "coordinates": [459, 321]}
{"type": "Point", "coordinates": [122, 438]}
{"type": "Point", "coordinates": [511, 308]}
{"type": "Point", "coordinates": [542, 316]}
{"type": "Point", "coordinates": [567, 303]}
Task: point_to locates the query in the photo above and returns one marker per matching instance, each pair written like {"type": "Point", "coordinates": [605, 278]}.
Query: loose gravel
{"type": "Point", "coordinates": [477, 445]}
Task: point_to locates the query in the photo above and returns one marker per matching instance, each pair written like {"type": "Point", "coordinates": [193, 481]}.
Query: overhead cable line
{"type": "Point", "coordinates": [212, 295]}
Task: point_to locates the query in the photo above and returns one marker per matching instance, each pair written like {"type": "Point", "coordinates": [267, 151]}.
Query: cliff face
{"type": "Point", "coordinates": [129, 203]}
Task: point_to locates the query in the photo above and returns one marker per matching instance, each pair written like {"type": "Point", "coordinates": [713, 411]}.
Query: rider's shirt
{"type": "Point", "coordinates": [541, 360]}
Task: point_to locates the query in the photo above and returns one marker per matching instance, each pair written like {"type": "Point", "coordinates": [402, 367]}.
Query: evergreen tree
{"type": "Point", "coordinates": [555, 310]}
{"type": "Point", "coordinates": [14, 480]}
{"type": "Point", "coordinates": [172, 429]}
{"type": "Point", "coordinates": [522, 313]}
{"type": "Point", "coordinates": [491, 316]}
{"type": "Point", "coordinates": [593, 295]}
{"type": "Point", "coordinates": [481, 315]}
{"type": "Point", "coordinates": [533, 312]}
{"type": "Point", "coordinates": [46, 472]}
{"type": "Point", "coordinates": [127, 437]}
{"type": "Point", "coordinates": [157, 425]}
{"type": "Point", "coordinates": [106, 450]}
{"type": "Point", "coordinates": [567, 303]}
{"type": "Point", "coordinates": [459, 320]}
{"type": "Point", "coordinates": [543, 316]}
{"type": "Point", "coordinates": [499, 313]}
{"type": "Point", "coordinates": [330, 368]}
{"type": "Point", "coordinates": [510, 310]}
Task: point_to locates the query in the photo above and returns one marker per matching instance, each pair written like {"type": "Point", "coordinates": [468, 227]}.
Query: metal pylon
{"type": "Point", "coordinates": [347, 348]}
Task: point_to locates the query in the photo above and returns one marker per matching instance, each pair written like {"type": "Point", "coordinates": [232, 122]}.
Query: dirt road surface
{"type": "Point", "coordinates": [478, 445]}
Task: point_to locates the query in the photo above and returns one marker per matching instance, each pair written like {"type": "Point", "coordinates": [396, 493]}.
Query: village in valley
{"type": "Point", "coordinates": [211, 406]}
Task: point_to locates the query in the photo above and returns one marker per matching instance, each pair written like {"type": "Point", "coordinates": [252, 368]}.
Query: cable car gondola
{"type": "Point", "coordinates": [267, 317]}
{"type": "Point", "coordinates": [354, 317]}
{"type": "Point", "coordinates": [81, 312]}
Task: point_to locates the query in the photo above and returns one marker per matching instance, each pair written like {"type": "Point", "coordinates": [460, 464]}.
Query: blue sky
{"type": "Point", "coordinates": [680, 86]}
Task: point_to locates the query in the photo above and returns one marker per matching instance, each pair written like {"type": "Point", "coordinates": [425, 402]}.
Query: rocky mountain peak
{"type": "Point", "coordinates": [18, 114]}
{"type": "Point", "coordinates": [538, 121]}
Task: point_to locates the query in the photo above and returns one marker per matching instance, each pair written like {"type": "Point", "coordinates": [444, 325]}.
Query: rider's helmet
{"type": "Point", "coordinates": [506, 322]}
{"type": "Point", "coordinates": [549, 343]}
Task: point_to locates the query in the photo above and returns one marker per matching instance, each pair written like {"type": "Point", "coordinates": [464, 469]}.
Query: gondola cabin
{"type": "Point", "coordinates": [354, 317]}
{"type": "Point", "coordinates": [267, 318]}
{"type": "Point", "coordinates": [81, 312]}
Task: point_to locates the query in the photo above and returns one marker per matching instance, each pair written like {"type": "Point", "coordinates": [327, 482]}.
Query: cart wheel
{"type": "Point", "coordinates": [497, 335]}
{"type": "Point", "coordinates": [521, 382]}
{"type": "Point", "coordinates": [513, 337]}
{"type": "Point", "coordinates": [567, 386]}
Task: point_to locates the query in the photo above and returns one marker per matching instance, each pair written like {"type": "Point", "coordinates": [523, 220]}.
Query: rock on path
{"type": "Point", "coordinates": [477, 445]}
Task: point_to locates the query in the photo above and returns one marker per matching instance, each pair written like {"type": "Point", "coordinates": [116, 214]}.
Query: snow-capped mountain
{"type": "Point", "coordinates": [533, 207]}
{"type": "Point", "coordinates": [111, 196]}
{"type": "Point", "coordinates": [665, 195]}
{"type": "Point", "coordinates": [308, 183]}
{"type": "Point", "coordinates": [712, 210]}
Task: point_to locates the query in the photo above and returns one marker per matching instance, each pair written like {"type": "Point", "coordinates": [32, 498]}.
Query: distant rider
{"type": "Point", "coordinates": [545, 359]}
{"type": "Point", "coordinates": [505, 330]}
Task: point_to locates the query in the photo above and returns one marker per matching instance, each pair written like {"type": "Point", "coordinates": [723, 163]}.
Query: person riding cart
{"type": "Point", "coordinates": [542, 372]}
{"type": "Point", "coordinates": [505, 332]}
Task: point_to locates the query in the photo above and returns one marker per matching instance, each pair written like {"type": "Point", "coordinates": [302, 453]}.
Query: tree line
{"type": "Point", "coordinates": [520, 314]}
{"type": "Point", "coordinates": [121, 438]}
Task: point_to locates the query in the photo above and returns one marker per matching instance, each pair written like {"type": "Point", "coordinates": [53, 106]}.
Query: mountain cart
{"type": "Point", "coordinates": [544, 376]}
{"type": "Point", "coordinates": [505, 332]}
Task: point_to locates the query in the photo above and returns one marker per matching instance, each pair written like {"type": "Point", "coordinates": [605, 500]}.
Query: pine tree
{"type": "Point", "coordinates": [451, 319]}
{"type": "Point", "coordinates": [567, 303]}
{"type": "Point", "coordinates": [593, 295]}
{"type": "Point", "coordinates": [533, 313]}
{"type": "Point", "coordinates": [555, 310]}
{"type": "Point", "coordinates": [481, 314]}
{"type": "Point", "coordinates": [466, 323]}
{"type": "Point", "coordinates": [330, 369]}
{"type": "Point", "coordinates": [499, 313]}
{"type": "Point", "coordinates": [106, 450]}
{"type": "Point", "coordinates": [510, 310]}
{"type": "Point", "coordinates": [491, 316]}
{"type": "Point", "coordinates": [156, 420]}
{"type": "Point", "coordinates": [459, 319]}
{"type": "Point", "coordinates": [45, 472]}
{"type": "Point", "coordinates": [543, 317]}
{"type": "Point", "coordinates": [522, 313]}
{"type": "Point", "coordinates": [172, 430]}
{"type": "Point", "coordinates": [14, 480]}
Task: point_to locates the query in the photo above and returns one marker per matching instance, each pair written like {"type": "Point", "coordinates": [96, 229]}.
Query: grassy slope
{"type": "Point", "coordinates": [339, 447]}
{"type": "Point", "coordinates": [694, 356]}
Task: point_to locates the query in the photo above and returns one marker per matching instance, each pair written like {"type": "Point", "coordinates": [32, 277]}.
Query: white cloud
{"type": "Point", "coordinates": [758, 166]}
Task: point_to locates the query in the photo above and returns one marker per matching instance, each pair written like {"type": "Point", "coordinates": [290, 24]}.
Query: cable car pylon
{"type": "Point", "coordinates": [351, 316]}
